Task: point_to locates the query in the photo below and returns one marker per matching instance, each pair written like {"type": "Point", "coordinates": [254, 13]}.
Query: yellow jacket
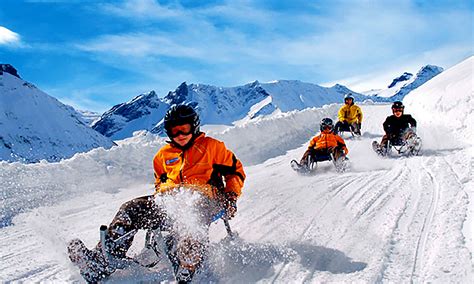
{"type": "Point", "coordinates": [350, 113]}
{"type": "Point", "coordinates": [203, 166]}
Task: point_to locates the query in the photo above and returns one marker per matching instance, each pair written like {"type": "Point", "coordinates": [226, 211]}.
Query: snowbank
{"type": "Point", "coordinates": [256, 142]}
{"type": "Point", "coordinates": [27, 186]}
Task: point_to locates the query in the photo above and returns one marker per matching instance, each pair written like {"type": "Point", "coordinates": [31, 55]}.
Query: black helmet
{"type": "Point", "coordinates": [179, 115]}
{"type": "Point", "coordinates": [325, 122]}
{"type": "Point", "coordinates": [398, 105]}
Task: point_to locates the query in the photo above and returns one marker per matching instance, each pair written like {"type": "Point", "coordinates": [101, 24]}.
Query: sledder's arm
{"type": "Point", "coordinates": [386, 125]}
{"type": "Point", "coordinates": [341, 115]}
{"type": "Point", "coordinates": [411, 121]}
{"type": "Point", "coordinates": [314, 140]}
{"type": "Point", "coordinates": [342, 144]}
{"type": "Point", "coordinates": [159, 171]}
{"type": "Point", "coordinates": [226, 164]}
{"type": "Point", "coordinates": [359, 115]}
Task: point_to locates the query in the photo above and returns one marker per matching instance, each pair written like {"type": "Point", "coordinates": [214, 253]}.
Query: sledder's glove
{"type": "Point", "coordinates": [230, 204]}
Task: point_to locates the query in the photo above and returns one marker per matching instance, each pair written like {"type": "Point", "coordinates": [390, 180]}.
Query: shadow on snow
{"type": "Point", "coordinates": [240, 261]}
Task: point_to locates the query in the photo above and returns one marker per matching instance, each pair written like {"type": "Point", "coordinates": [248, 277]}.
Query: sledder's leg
{"type": "Point", "coordinates": [302, 166]}
{"type": "Point", "coordinates": [139, 213]}
{"type": "Point", "coordinates": [356, 128]}
{"type": "Point", "coordinates": [381, 148]}
{"type": "Point", "coordinates": [92, 264]}
{"type": "Point", "coordinates": [341, 162]}
{"type": "Point", "coordinates": [136, 214]}
{"type": "Point", "coordinates": [412, 141]}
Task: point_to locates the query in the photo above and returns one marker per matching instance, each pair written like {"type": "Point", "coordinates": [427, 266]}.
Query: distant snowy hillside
{"type": "Point", "coordinates": [406, 83]}
{"type": "Point", "coordinates": [36, 126]}
{"type": "Point", "coordinates": [89, 117]}
{"type": "Point", "coordinates": [218, 105]}
{"type": "Point", "coordinates": [296, 95]}
{"type": "Point", "coordinates": [447, 102]}
{"type": "Point", "coordinates": [142, 112]}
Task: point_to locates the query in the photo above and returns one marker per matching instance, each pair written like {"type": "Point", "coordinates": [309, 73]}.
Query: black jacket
{"type": "Point", "coordinates": [397, 125]}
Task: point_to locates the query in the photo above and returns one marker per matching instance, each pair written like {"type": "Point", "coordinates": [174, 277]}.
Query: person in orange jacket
{"type": "Point", "coordinates": [327, 142]}
{"type": "Point", "coordinates": [190, 161]}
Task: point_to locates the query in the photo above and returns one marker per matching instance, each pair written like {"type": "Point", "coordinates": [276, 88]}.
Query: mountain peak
{"type": "Point", "coordinates": [429, 69]}
{"type": "Point", "coordinates": [177, 96]}
{"type": "Point", "coordinates": [404, 77]}
{"type": "Point", "coordinates": [9, 69]}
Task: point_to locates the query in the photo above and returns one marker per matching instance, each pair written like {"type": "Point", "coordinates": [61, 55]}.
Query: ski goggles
{"type": "Point", "coordinates": [181, 130]}
{"type": "Point", "coordinates": [397, 110]}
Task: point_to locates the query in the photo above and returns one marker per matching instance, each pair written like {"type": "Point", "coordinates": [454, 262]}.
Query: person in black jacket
{"type": "Point", "coordinates": [398, 126]}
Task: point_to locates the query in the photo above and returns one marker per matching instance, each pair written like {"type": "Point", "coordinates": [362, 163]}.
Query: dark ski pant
{"type": "Point", "coordinates": [396, 138]}
{"type": "Point", "coordinates": [144, 213]}
{"type": "Point", "coordinates": [136, 214]}
{"type": "Point", "coordinates": [345, 126]}
{"type": "Point", "coordinates": [337, 152]}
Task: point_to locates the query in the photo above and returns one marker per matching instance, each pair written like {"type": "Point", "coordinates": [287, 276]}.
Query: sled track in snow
{"type": "Point", "coordinates": [421, 244]}
{"type": "Point", "coordinates": [412, 225]}
{"type": "Point", "coordinates": [314, 218]}
{"type": "Point", "coordinates": [378, 191]}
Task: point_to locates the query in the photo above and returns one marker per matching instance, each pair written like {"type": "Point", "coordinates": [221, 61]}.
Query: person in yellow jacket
{"type": "Point", "coordinates": [349, 116]}
{"type": "Point", "coordinates": [324, 144]}
{"type": "Point", "coordinates": [190, 161]}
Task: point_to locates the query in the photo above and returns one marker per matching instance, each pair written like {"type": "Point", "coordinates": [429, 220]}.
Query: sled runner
{"type": "Point", "coordinates": [349, 129]}
{"type": "Point", "coordinates": [411, 146]}
{"type": "Point", "coordinates": [341, 164]}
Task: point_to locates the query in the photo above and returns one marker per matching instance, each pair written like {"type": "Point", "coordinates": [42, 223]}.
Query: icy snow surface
{"type": "Point", "coordinates": [386, 220]}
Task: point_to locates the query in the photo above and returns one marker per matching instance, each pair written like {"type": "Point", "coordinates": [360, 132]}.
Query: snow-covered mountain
{"type": "Point", "coordinates": [218, 105]}
{"type": "Point", "coordinates": [407, 82]}
{"type": "Point", "coordinates": [89, 117]}
{"type": "Point", "coordinates": [141, 113]}
{"type": "Point", "coordinates": [383, 221]}
{"type": "Point", "coordinates": [36, 126]}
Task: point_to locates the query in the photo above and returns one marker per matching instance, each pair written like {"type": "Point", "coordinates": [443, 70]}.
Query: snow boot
{"type": "Point", "coordinates": [341, 164]}
{"type": "Point", "coordinates": [413, 145]}
{"type": "Point", "coordinates": [186, 257]}
{"type": "Point", "coordinates": [92, 264]}
{"type": "Point", "coordinates": [298, 167]}
{"type": "Point", "coordinates": [378, 149]}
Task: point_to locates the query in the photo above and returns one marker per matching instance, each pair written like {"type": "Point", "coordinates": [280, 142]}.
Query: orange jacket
{"type": "Point", "coordinates": [327, 140]}
{"type": "Point", "coordinates": [202, 166]}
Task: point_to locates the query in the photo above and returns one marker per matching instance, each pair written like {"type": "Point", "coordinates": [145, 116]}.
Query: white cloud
{"type": "Point", "coordinates": [141, 9]}
{"type": "Point", "coordinates": [369, 42]}
{"type": "Point", "coordinates": [7, 37]}
{"type": "Point", "coordinates": [139, 45]}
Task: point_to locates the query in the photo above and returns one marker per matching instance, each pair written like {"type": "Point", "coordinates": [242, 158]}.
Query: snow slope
{"type": "Point", "coordinates": [386, 220]}
{"type": "Point", "coordinates": [447, 101]}
{"type": "Point", "coordinates": [35, 126]}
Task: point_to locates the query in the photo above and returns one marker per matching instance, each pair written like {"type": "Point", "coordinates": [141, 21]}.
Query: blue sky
{"type": "Point", "coordinates": [94, 54]}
